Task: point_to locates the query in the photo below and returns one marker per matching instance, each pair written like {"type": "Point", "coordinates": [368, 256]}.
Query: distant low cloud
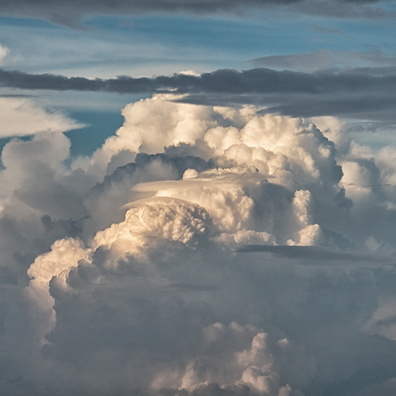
{"type": "Point", "coordinates": [325, 60]}
{"type": "Point", "coordinates": [367, 93]}
{"type": "Point", "coordinates": [68, 12]}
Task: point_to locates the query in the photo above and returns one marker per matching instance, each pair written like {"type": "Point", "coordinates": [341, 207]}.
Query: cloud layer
{"type": "Point", "coordinates": [366, 93]}
{"type": "Point", "coordinates": [200, 251]}
{"type": "Point", "coordinates": [67, 12]}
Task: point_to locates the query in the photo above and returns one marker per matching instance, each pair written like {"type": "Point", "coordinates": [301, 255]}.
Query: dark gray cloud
{"type": "Point", "coordinates": [68, 12]}
{"type": "Point", "coordinates": [252, 81]}
{"type": "Point", "coordinates": [359, 93]}
{"type": "Point", "coordinates": [367, 93]}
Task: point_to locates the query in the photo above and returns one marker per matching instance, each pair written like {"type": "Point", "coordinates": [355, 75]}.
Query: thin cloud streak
{"type": "Point", "coordinates": [325, 60]}
{"type": "Point", "coordinates": [313, 255]}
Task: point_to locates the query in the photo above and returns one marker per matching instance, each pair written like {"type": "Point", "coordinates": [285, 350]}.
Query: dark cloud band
{"type": "Point", "coordinates": [368, 93]}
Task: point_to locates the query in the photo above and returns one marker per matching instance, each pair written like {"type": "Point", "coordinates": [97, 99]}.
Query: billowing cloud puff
{"type": "Point", "coordinates": [200, 251]}
{"type": "Point", "coordinates": [254, 370]}
{"type": "Point", "coordinates": [155, 219]}
{"type": "Point", "coordinates": [64, 254]}
{"type": "Point", "coordinates": [273, 144]}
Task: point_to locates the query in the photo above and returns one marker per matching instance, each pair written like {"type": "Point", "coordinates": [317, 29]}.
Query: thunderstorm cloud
{"type": "Point", "coordinates": [225, 252]}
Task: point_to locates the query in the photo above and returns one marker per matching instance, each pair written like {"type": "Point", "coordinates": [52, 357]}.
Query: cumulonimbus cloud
{"type": "Point", "coordinates": [200, 251]}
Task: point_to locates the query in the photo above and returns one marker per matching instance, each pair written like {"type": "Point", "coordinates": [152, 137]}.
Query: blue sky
{"type": "Point", "coordinates": [103, 46]}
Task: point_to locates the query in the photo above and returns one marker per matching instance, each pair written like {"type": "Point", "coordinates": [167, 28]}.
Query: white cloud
{"type": "Point", "coordinates": [22, 117]}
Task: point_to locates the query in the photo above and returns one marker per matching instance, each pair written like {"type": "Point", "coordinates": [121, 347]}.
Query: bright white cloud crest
{"type": "Point", "coordinates": [190, 256]}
